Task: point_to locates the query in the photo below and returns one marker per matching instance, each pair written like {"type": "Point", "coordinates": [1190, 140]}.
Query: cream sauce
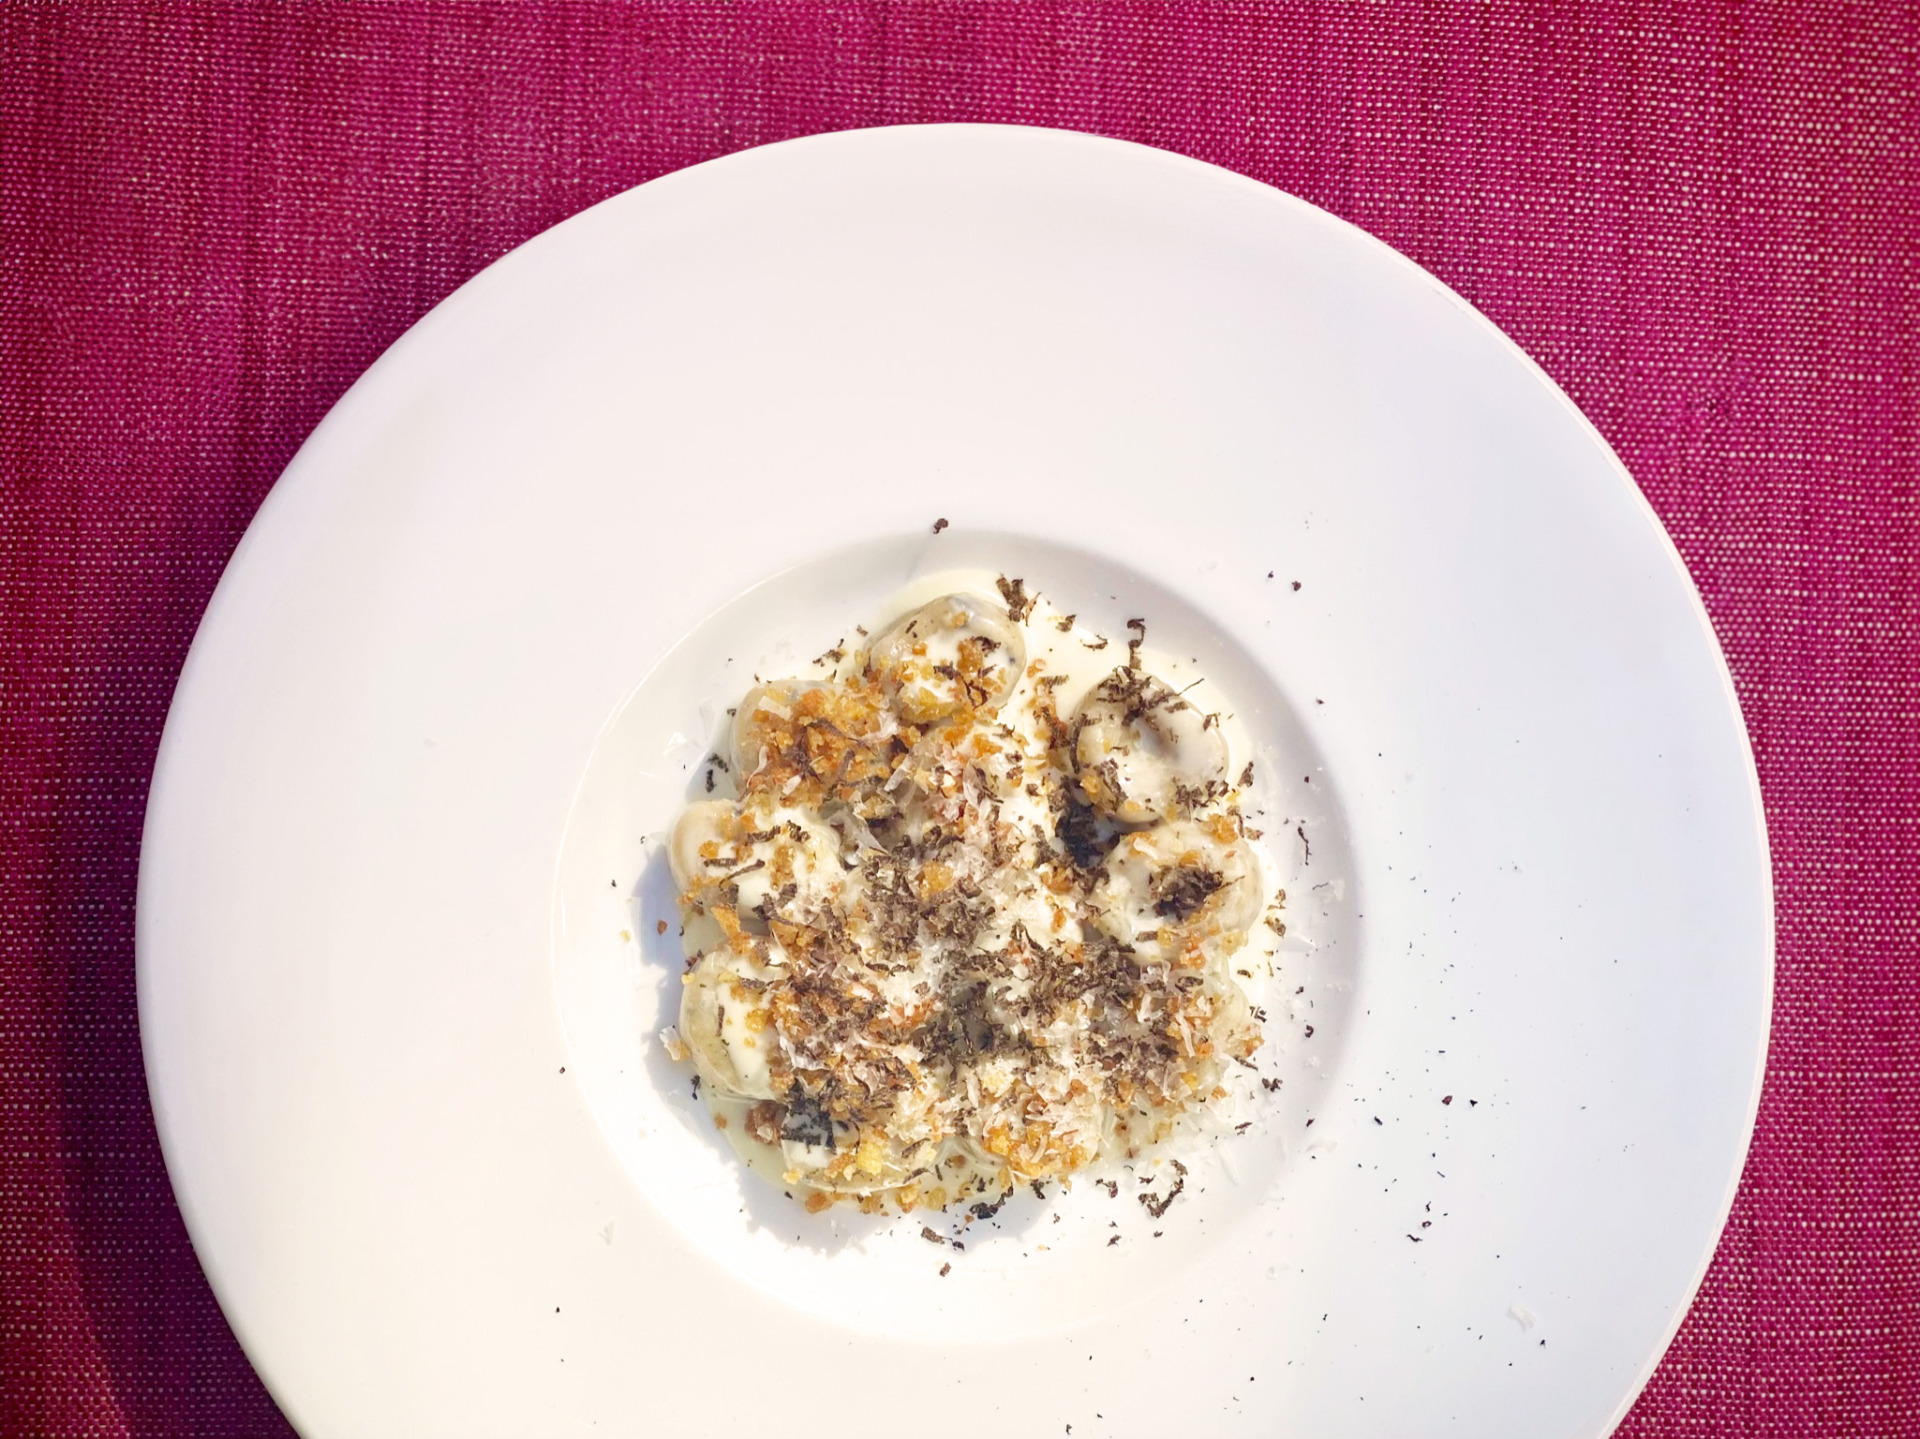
{"type": "Point", "coordinates": [1056, 645]}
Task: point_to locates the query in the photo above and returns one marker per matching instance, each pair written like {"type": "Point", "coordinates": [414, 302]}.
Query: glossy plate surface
{"type": "Point", "coordinates": [398, 1023]}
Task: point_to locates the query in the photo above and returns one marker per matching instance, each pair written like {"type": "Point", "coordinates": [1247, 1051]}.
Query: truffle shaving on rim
{"type": "Point", "coordinates": [971, 921]}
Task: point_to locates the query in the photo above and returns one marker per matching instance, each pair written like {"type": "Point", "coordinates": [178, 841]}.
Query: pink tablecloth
{"type": "Point", "coordinates": [1700, 220]}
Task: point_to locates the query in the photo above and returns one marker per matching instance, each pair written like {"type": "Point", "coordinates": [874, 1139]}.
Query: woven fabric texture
{"type": "Point", "coordinates": [1700, 219]}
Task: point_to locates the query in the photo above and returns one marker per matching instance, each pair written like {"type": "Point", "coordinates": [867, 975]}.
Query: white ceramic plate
{"type": "Point", "coordinates": [401, 1052]}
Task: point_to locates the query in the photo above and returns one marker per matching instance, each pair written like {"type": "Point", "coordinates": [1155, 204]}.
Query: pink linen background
{"type": "Point", "coordinates": [1701, 219]}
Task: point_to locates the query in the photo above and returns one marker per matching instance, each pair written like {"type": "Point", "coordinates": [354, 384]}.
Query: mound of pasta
{"type": "Point", "coordinates": [950, 937]}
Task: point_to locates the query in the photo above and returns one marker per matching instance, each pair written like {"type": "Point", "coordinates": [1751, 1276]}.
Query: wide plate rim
{"type": "Point", "coordinates": [223, 600]}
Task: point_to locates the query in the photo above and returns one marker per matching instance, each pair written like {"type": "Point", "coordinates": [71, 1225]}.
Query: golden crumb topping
{"type": "Point", "coordinates": [951, 940]}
